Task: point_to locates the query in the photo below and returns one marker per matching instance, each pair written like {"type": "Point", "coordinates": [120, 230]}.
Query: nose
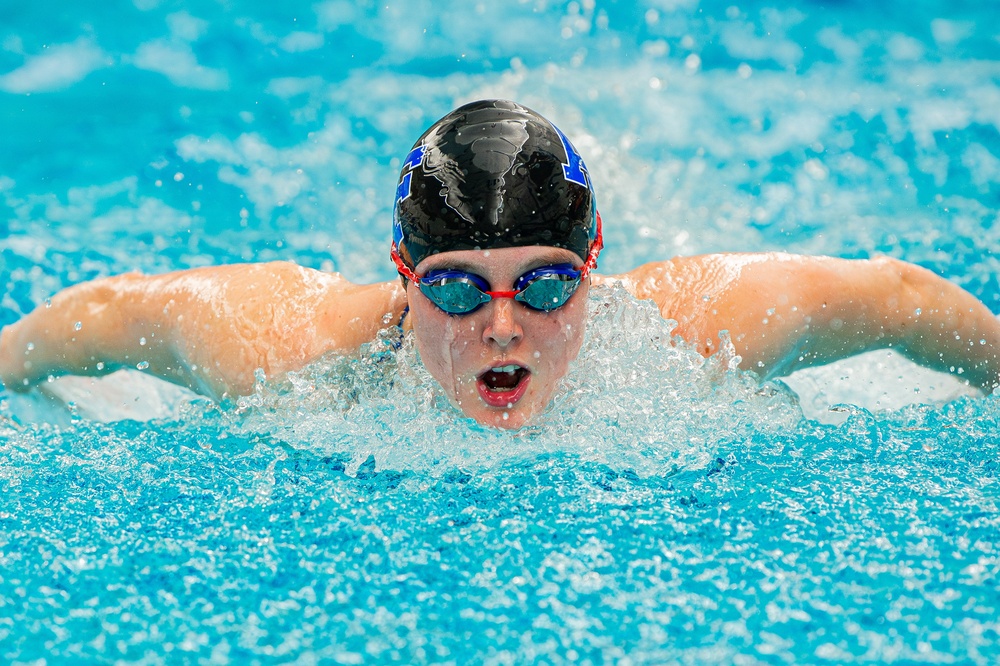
{"type": "Point", "coordinates": [502, 327]}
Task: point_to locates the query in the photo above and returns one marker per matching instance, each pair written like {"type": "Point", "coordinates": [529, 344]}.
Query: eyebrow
{"type": "Point", "coordinates": [550, 256]}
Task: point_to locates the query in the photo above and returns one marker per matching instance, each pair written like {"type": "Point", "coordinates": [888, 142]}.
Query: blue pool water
{"type": "Point", "coordinates": [666, 509]}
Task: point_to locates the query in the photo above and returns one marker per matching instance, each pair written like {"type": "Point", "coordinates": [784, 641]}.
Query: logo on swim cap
{"type": "Point", "coordinates": [574, 169]}
{"type": "Point", "coordinates": [493, 174]}
{"type": "Point", "coordinates": [403, 189]}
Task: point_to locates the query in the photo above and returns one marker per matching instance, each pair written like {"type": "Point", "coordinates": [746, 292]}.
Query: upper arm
{"type": "Point", "coordinates": [208, 329]}
{"type": "Point", "coordinates": [784, 312]}
{"type": "Point", "coordinates": [276, 317]}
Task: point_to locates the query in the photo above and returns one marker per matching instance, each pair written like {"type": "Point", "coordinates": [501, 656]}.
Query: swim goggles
{"type": "Point", "coordinates": [458, 292]}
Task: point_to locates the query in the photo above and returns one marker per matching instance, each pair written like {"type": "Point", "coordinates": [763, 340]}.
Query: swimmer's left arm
{"type": "Point", "coordinates": [786, 312]}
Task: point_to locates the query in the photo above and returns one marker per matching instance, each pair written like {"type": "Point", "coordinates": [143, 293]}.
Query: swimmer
{"type": "Point", "coordinates": [496, 236]}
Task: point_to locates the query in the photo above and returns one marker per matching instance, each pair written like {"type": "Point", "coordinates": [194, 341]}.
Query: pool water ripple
{"type": "Point", "coordinates": [665, 509]}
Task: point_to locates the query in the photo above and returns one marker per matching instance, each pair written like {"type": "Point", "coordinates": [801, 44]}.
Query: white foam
{"type": "Point", "coordinates": [297, 42]}
{"type": "Point", "coordinates": [176, 61]}
{"type": "Point", "coordinates": [59, 67]}
{"type": "Point", "coordinates": [878, 381]}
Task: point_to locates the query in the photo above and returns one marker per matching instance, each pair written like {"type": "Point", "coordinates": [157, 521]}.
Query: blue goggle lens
{"type": "Point", "coordinates": [548, 292]}
{"type": "Point", "coordinates": [454, 295]}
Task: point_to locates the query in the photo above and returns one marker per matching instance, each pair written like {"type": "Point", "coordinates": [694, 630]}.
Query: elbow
{"type": "Point", "coordinates": [14, 366]}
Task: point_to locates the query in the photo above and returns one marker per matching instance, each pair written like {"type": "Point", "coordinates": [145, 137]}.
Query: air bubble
{"type": "Point", "coordinates": [100, 365]}
{"type": "Point", "coordinates": [31, 346]}
{"type": "Point", "coordinates": [78, 325]}
{"type": "Point", "coordinates": [506, 416]}
{"type": "Point", "coordinates": [142, 365]}
{"type": "Point", "coordinates": [142, 342]}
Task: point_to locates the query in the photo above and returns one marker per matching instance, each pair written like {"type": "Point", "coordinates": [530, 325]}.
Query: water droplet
{"type": "Point", "coordinates": [100, 365]}
{"type": "Point", "coordinates": [538, 354]}
{"type": "Point", "coordinates": [31, 346]}
{"type": "Point", "coordinates": [78, 325]}
{"type": "Point", "coordinates": [918, 312]}
{"type": "Point", "coordinates": [506, 416]}
{"type": "Point", "coordinates": [48, 302]}
{"type": "Point", "coordinates": [982, 342]}
{"type": "Point", "coordinates": [142, 365]}
{"type": "Point", "coordinates": [142, 342]}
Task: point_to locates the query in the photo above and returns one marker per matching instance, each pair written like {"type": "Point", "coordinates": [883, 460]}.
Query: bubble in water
{"type": "Point", "coordinates": [142, 342]}
{"type": "Point", "coordinates": [506, 415]}
{"type": "Point", "coordinates": [31, 346]}
{"type": "Point", "coordinates": [142, 365]}
{"type": "Point", "coordinates": [78, 325]}
{"type": "Point", "coordinates": [100, 365]}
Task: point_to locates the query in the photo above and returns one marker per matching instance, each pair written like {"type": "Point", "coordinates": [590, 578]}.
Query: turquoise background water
{"type": "Point", "coordinates": [665, 510]}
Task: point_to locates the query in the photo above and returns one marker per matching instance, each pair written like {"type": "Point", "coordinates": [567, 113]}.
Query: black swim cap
{"type": "Point", "coordinates": [493, 174]}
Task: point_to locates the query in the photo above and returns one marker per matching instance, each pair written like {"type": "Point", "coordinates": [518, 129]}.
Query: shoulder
{"type": "Point", "coordinates": [677, 283]}
{"type": "Point", "coordinates": [293, 310]}
{"type": "Point", "coordinates": [709, 274]}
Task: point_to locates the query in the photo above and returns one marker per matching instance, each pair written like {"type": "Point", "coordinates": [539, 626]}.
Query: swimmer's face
{"type": "Point", "coordinates": [500, 364]}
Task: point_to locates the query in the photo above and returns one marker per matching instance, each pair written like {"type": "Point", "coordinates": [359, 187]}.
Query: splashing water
{"type": "Point", "coordinates": [665, 509]}
{"type": "Point", "coordinates": [635, 399]}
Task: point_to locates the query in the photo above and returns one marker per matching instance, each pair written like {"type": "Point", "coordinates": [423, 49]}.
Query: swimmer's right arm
{"type": "Point", "coordinates": [208, 329]}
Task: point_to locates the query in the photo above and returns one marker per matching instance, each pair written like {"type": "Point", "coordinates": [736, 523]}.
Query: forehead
{"type": "Point", "coordinates": [502, 260]}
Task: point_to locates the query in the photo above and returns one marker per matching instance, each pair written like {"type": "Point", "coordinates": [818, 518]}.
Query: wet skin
{"type": "Point", "coordinates": [460, 351]}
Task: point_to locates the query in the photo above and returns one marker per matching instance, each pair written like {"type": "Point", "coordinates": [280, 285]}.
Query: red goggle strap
{"type": "Point", "coordinates": [401, 267]}
{"type": "Point", "coordinates": [595, 249]}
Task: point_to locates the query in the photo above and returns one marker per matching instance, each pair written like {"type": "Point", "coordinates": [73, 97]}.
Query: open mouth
{"type": "Point", "coordinates": [502, 386]}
